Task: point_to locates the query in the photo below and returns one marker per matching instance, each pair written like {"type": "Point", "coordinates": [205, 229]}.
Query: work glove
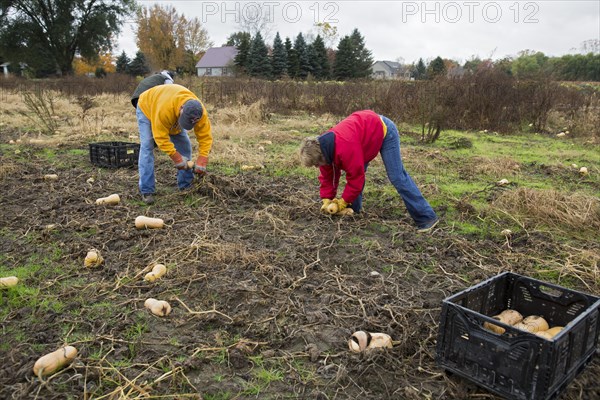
{"type": "Point", "coordinates": [326, 203]}
{"type": "Point", "coordinates": [341, 204]}
{"type": "Point", "coordinates": [180, 161]}
{"type": "Point", "coordinates": [200, 165]}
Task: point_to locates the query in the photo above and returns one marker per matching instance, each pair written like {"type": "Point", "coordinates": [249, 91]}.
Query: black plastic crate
{"type": "Point", "coordinates": [114, 154]}
{"type": "Point", "coordinates": [518, 364]}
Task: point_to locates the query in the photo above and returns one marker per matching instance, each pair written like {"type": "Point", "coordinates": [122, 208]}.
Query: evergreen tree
{"type": "Point", "coordinates": [420, 70]}
{"type": "Point", "coordinates": [122, 63]}
{"type": "Point", "coordinates": [436, 68]}
{"type": "Point", "coordinates": [259, 63]}
{"type": "Point", "coordinates": [279, 58]}
{"type": "Point", "coordinates": [362, 56]}
{"type": "Point", "coordinates": [236, 39]}
{"type": "Point", "coordinates": [138, 66]}
{"type": "Point", "coordinates": [292, 60]}
{"type": "Point", "coordinates": [243, 48]}
{"type": "Point", "coordinates": [301, 50]}
{"type": "Point", "coordinates": [343, 66]}
{"type": "Point", "coordinates": [318, 59]}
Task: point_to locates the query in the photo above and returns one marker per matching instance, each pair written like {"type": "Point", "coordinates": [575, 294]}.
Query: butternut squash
{"type": "Point", "coordinates": [358, 341]}
{"type": "Point", "coordinates": [509, 317]}
{"type": "Point", "coordinates": [158, 307]}
{"type": "Point", "coordinates": [9, 281]}
{"type": "Point", "coordinates": [555, 330]}
{"type": "Point", "coordinates": [361, 341]}
{"type": "Point", "coordinates": [93, 258]}
{"type": "Point", "coordinates": [112, 199]}
{"type": "Point", "coordinates": [50, 177]}
{"type": "Point", "coordinates": [142, 222]}
{"type": "Point", "coordinates": [158, 271]}
{"type": "Point", "coordinates": [533, 324]}
{"type": "Point", "coordinates": [332, 208]}
{"type": "Point", "coordinates": [544, 334]}
{"type": "Point", "coordinates": [54, 361]}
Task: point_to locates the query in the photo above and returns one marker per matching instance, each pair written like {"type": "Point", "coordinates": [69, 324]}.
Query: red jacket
{"type": "Point", "coordinates": [355, 142]}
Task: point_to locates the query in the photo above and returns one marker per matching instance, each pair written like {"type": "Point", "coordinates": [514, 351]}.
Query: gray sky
{"type": "Point", "coordinates": [410, 29]}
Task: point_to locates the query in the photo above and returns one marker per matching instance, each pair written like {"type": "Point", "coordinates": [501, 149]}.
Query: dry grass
{"type": "Point", "coordinates": [111, 115]}
{"type": "Point", "coordinates": [497, 167]}
{"type": "Point", "coordinates": [572, 212]}
{"type": "Point", "coordinates": [7, 168]}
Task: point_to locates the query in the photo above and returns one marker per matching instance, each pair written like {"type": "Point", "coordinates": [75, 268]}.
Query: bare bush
{"type": "Point", "coordinates": [40, 103]}
{"type": "Point", "coordinates": [486, 99]}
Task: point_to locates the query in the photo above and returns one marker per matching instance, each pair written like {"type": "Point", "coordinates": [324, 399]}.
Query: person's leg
{"type": "Point", "coordinates": [357, 203]}
{"type": "Point", "coordinates": [184, 146]}
{"type": "Point", "coordinates": [418, 208]}
{"type": "Point", "coordinates": [146, 157]}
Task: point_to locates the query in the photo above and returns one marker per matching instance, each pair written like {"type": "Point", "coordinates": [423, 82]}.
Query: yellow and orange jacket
{"type": "Point", "coordinates": [162, 106]}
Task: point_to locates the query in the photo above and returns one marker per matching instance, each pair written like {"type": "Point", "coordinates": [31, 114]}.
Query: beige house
{"type": "Point", "coordinates": [390, 70]}
{"type": "Point", "coordinates": [217, 61]}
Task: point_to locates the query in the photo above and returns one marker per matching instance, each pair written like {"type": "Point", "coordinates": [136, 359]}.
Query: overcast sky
{"type": "Point", "coordinates": [410, 29]}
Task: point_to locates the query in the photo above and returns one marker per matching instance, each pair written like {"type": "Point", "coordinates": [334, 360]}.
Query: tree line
{"type": "Point", "coordinates": [299, 60]}
{"type": "Point", "coordinates": [527, 65]}
{"type": "Point", "coordinates": [52, 37]}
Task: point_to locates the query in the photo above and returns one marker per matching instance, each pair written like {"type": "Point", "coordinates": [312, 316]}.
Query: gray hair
{"type": "Point", "coordinates": [310, 152]}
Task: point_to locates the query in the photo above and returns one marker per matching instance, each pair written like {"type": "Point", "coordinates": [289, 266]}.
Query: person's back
{"type": "Point", "coordinates": [162, 78]}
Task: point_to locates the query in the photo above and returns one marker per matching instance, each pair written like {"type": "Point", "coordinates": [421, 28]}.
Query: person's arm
{"type": "Point", "coordinates": [355, 175]}
{"type": "Point", "coordinates": [203, 132]}
{"type": "Point", "coordinates": [328, 182]}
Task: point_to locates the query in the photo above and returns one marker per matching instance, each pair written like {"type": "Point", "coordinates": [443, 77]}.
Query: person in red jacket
{"type": "Point", "coordinates": [350, 146]}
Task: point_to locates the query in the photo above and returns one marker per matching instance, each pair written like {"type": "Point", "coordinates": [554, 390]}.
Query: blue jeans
{"type": "Point", "coordinates": [146, 159]}
{"type": "Point", "coordinates": [418, 208]}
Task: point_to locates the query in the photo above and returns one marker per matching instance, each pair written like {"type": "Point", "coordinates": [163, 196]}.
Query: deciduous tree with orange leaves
{"type": "Point", "coordinates": [81, 66]}
{"type": "Point", "coordinates": [168, 39]}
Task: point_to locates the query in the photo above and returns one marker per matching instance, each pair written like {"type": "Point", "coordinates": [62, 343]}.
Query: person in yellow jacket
{"type": "Point", "coordinates": [164, 114]}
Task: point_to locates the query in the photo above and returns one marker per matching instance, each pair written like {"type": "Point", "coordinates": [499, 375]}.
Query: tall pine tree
{"type": "Point", "coordinates": [301, 50]}
{"type": "Point", "coordinates": [243, 41]}
{"type": "Point", "coordinates": [318, 59]}
{"type": "Point", "coordinates": [362, 56]}
{"type": "Point", "coordinates": [436, 68]}
{"type": "Point", "coordinates": [292, 60]}
{"type": "Point", "coordinates": [139, 66]}
{"type": "Point", "coordinates": [279, 58]}
{"type": "Point", "coordinates": [259, 64]}
{"type": "Point", "coordinates": [122, 63]}
{"type": "Point", "coordinates": [420, 70]}
{"type": "Point", "coordinates": [343, 66]}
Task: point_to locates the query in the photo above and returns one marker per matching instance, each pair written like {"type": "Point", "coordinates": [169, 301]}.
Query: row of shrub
{"type": "Point", "coordinates": [484, 100]}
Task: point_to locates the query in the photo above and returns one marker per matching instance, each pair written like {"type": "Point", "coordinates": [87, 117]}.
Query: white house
{"type": "Point", "coordinates": [217, 61]}
{"type": "Point", "coordinates": [4, 67]}
{"type": "Point", "coordinates": [389, 70]}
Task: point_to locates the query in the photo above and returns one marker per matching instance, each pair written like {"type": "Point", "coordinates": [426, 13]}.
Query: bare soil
{"type": "Point", "coordinates": [258, 280]}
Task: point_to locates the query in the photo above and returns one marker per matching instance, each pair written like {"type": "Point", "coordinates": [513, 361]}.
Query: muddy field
{"type": "Point", "coordinates": [265, 290]}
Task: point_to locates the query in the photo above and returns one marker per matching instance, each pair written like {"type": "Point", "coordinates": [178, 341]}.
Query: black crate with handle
{"type": "Point", "coordinates": [518, 364]}
{"type": "Point", "coordinates": [114, 154]}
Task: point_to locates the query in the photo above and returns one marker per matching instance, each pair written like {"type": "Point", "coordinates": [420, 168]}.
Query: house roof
{"type": "Point", "coordinates": [393, 65]}
{"type": "Point", "coordinates": [217, 57]}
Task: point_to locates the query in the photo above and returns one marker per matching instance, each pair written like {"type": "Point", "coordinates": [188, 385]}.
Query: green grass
{"type": "Point", "coordinates": [217, 396]}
